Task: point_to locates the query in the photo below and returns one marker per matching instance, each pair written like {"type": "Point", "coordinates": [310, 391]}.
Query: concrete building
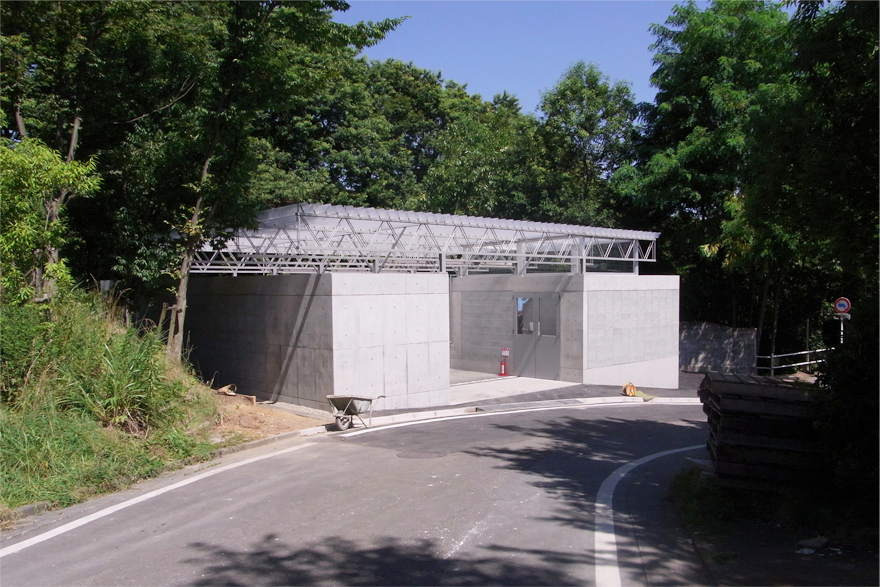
{"type": "Point", "coordinates": [325, 300]}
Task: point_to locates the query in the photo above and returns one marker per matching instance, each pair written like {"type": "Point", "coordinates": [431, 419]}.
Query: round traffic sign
{"type": "Point", "coordinates": [842, 305]}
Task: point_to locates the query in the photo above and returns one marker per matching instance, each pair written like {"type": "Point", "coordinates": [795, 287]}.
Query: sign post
{"type": "Point", "coordinates": [842, 306]}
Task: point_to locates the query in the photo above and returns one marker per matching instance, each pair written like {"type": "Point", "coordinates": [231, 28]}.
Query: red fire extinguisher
{"type": "Point", "coordinates": [505, 352]}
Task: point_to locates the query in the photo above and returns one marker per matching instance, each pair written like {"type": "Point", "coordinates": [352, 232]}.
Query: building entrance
{"type": "Point", "coordinates": [536, 346]}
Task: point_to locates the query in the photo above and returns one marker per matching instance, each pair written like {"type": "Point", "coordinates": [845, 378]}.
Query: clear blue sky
{"type": "Point", "coordinates": [523, 47]}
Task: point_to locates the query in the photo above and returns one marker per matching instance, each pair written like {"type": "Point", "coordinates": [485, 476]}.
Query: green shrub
{"type": "Point", "coordinates": [89, 406]}
{"type": "Point", "coordinates": [64, 458]}
{"type": "Point", "coordinates": [20, 339]}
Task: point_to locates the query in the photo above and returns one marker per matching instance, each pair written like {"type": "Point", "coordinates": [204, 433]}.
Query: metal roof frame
{"type": "Point", "coordinates": [314, 238]}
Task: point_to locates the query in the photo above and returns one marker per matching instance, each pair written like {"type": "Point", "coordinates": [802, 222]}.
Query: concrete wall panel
{"type": "Point", "coordinates": [631, 322]}
{"type": "Point", "coordinates": [712, 347]}
{"type": "Point", "coordinates": [659, 373]}
{"type": "Point", "coordinates": [397, 320]}
{"type": "Point", "coordinates": [394, 330]}
{"type": "Point", "coordinates": [396, 369]}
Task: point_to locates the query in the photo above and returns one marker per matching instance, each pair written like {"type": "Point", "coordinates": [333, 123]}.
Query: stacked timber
{"type": "Point", "coordinates": [761, 432]}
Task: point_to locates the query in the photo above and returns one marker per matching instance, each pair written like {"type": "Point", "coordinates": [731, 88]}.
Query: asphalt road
{"type": "Point", "coordinates": [495, 498]}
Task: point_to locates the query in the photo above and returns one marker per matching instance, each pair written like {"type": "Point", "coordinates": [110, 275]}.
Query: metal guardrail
{"type": "Point", "coordinates": [775, 365]}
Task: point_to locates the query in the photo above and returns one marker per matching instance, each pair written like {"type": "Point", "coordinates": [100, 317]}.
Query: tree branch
{"type": "Point", "coordinates": [184, 90]}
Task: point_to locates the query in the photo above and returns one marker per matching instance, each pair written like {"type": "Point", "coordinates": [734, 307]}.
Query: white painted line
{"type": "Point", "coordinates": [18, 547]}
{"type": "Point", "coordinates": [605, 542]}
{"type": "Point", "coordinates": [485, 414]}
{"type": "Point", "coordinates": [598, 402]}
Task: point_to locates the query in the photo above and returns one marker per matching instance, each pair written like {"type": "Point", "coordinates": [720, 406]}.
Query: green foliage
{"type": "Point", "coordinates": [707, 508]}
{"type": "Point", "coordinates": [64, 458]}
{"type": "Point", "coordinates": [34, 178]}
{"type": "Point", "coordinates": [848, 419]}
{"type": "Point", "coordinates": [587, 129]}
{"type": "Point", "coordinates": [89, 406]}
{"type": "Point", "coordinates": [486, 164]}
{"type": "Point", "coordinates": [713, 69]}
{"type": "Point", "coordinates": [760, 163]}
{"type": "Point", "coordinates": [127, 390]}
{"type": "Point", "coordinates": [168, 93]}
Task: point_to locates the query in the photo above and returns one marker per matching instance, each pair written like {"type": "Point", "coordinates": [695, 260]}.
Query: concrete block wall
{"type": "Point", "coordinates": [631, 327]}
{"type": "Point", "coordinates": [299, 338]}
{"type": "Point", "coordinates": [391, 337]}
{"type": "Point", "coordinates": [270, 335]}
{"type": "Point", "coordinates": [704, 347]}
{"type": "Point", "coordinates": [483, 310]}
{"type": "Point", "coordinates": [485, 325]}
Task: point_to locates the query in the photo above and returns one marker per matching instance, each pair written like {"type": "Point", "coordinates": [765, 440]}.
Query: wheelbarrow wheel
{"type": "Point", "coordinates": [343, 422]}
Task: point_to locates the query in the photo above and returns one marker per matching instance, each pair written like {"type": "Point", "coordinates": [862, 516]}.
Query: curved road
{"type": "Point", "coordinates": [494, 498]}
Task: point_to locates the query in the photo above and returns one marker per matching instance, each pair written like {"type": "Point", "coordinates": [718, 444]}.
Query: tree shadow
{"type": "Point", "coordinates": [572, 456]}
{"type": "Point", "coordinates": [342, 561]}
{"type": "Point", "coordinates": [569, 458]}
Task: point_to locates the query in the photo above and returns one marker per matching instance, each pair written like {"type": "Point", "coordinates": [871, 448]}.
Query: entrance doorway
{"type": "Point", "coordinates": [536, 346]}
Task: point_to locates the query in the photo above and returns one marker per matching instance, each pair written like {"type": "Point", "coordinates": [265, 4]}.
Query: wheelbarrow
{"type": "Point", "coordinates": [346, 407]}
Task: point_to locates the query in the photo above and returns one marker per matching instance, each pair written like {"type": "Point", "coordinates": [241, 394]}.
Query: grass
{"type": "Point", "coordinates": [812, 510]}
{"type": "Point", "coordinates": [706, 508]}
{"type": "Point", "coordinates": [88, 407]}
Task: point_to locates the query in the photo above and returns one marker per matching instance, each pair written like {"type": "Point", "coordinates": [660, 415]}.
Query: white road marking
{"type": "Point", "coordinates": [605, 548]}
{"type": "Point", "coordinates": [18, 547]}
{"type": "Point", "coordinates": [655, 402]}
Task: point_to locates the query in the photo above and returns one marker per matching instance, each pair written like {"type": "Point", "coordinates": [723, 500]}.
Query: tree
{"type": "Point", "coordinates": [817, 169]}
{"type": "Point", "coordinates": [713, 67]}
{"type": "Point", "coordinates": [169, 94]}
{"type": "Point", "coordinates": [587, 128]}
{"type": "Point", "coordinates": [31, 222]}
{"type": "Point", "coordinates": [485, 164]}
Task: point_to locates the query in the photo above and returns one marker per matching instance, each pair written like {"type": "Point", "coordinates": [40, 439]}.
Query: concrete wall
{"type": "Point", "coordinates": [271, 336]}
{"type": "Point", "coordinates": [391, 337]}
{"type": "Point", "coordinates": [298, 338]}
{"type": "Point", "coordinates": [615, 328]}
{"type": "Point", "coordinates": [482, 309]}
{"type": "Point", "coordinates": [631, 327]}
{"type": "Point", "coordinates": [704, 346]}
{"type": "Point", "coordinates": [481, 325]}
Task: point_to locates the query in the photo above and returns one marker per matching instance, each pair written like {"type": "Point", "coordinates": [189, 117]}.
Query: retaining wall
{"type": "Point", "coordinates": [705, 347]}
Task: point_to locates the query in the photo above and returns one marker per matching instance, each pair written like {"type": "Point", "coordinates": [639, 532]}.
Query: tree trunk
{"type": "Point", "coordinates": [178, 314]}
{"type": "Point", "coordinates": [74, 139]}
{"type": "Point", "coordinates": [763, 305]}
{"type": "Point", "coordinates": [175, 327]}
{"type": "Point", "coordinates": [47, 285]}
{"type": "Point", "coordinates": [19, 122]}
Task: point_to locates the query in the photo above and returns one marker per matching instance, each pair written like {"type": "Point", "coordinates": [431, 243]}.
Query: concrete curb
{"type": "Point", "coordinates": [26, 511]}
{"type": "Point", "coordinates": [432, 414]}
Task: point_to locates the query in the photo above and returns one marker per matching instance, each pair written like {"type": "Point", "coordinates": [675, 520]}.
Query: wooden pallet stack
{"type": "Point", "coordinates": [761, 432]}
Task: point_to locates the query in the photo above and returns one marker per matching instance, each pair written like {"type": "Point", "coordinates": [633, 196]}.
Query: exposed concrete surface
{"type": "Point", "coordinates": [501, 387]}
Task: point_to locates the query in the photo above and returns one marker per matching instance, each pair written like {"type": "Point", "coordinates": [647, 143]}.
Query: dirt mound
{"type": "Point", "coordinates": [242, 416]}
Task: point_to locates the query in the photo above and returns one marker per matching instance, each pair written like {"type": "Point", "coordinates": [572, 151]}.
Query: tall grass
{"type": "Point", "coordinates": [88, 406]}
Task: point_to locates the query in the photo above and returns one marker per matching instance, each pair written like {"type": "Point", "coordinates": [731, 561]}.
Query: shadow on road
{"type": "Point", "coordinates": [342, 561]}
{"type": "Point", "coordinates": [573, 456]}
{"type": "Point", "coordinates": [571, 459]}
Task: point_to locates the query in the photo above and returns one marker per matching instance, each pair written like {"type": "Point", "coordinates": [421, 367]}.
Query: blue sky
{"type": "Point", "coordinates": [523, 47]}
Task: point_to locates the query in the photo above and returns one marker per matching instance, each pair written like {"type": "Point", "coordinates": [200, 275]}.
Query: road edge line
{"type": "Point", "coordinates": [604, 538]}
{"type": "Point", "coordinates": [63, 529]}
